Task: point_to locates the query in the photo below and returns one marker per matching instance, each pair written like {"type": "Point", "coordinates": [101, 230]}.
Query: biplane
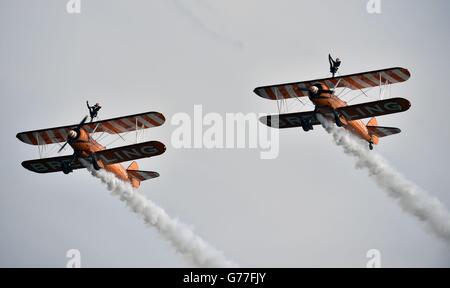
{"type": "Point", "coordinates": [80, 138]}
{"type": "Point", "coordinates": [322, 94]}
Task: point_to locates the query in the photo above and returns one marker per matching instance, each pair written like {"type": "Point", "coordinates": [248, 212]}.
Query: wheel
{"type": "Point", "coordinates": [66, 167]}
{"type": "Point", "coordinates": [307, 125]}
{"type": "Point", "coordinates": [337, 119]}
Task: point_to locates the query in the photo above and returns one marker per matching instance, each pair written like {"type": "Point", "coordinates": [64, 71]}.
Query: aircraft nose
{"type": "Point", "coordinates": [72, 134]}
{"type": "Point", "coordinates": [313, 89]}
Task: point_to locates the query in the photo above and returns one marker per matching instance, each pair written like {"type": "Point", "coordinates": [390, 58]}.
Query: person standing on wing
{"type": "Point", "coordinates": [93, 110]}
{"type": "Point", "coordinates": [334, 64]}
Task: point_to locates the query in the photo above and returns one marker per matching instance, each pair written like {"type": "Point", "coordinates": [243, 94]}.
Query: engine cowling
{"type": "Point", "coordinates": [72, 134]}
{"type": "Point", "coordinates": [77, 134]}
{"type": "Point", "coordinates": [319, 90]}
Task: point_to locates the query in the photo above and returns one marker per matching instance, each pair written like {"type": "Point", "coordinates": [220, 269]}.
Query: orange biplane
{"type": "Point", "coordinates": [79, 137]}
{"type": "Point", "coordinates": [322, 94]}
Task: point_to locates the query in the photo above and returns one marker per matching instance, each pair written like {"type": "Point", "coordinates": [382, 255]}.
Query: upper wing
{"type": "Point", "coordinates": [105, 157]}
{"type": "Point", "coordinates": [354, 82]}
{"type": "Point", "coordinates": [126, 124]}
{"type": "Point", "coordinates": [289, 120]}
{"type": "Point", "coordinates": [111, 126]}
{"type": "Point", "coordinates": [373, 109]}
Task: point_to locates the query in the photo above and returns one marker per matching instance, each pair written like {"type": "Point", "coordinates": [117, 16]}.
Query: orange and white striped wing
{"type": "Point", "coordinates": [51, 165]}
{"type": "Point", "coordinates": [284, 91]}
{"type": "Point", "coordinates": [127, 124]}
{"type": "Point", "coordinates": [354, 82]}
{"type": "Point", "coordinates": [111, 126]}
{"type": "Point", "coordinates": [45, 136]}
{"type": "Point", "coordinates": [374, 78]}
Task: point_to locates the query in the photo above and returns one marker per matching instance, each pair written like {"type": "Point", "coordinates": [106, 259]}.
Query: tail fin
{"type": "Point", "coordinates": [136, 176]}
{"type": "Point", "coordinates": [135, 182]}
{"type": "Point", "coordinates": [133, 166]}
{"type": "Point", "coordinates": [373, 123]}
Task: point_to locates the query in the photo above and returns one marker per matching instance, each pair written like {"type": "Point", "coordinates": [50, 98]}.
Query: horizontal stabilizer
{"type": "Point", "coordinates": [382, 131]}
{"type": "Point", "coordinates": [142, 175]}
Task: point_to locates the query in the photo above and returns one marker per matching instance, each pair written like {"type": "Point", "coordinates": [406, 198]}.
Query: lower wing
{"type": "Point", "coordinates": [106, 157]}
{"type": "Point", "coordinates": [350, 113]}
{"type": "Point", "coordinates": [374, 109]}
{"type": "Point", "coordinates": [290, 120]}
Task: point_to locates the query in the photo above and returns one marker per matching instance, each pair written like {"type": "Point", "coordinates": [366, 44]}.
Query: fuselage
{"type": "Point", "coordinates": [325, 100]}
{"type": "Point", "coordinates": [84, 146]}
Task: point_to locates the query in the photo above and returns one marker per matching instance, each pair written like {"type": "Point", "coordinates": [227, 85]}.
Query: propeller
{"type": "Point", "coordinates": [83, 121]}
{"type": "Point", "coordinates": [73, 134]}
{"type": "Point", "coordinates": [63, 146]}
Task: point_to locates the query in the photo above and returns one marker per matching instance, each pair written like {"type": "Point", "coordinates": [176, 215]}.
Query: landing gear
{"type": "Point", "coordinates": [326, 111]}
{"type": "Point", "coordinates": [371, 145]}
{"type": "Point", "coordinates": [337, 119]}
{"type": "Point", "coordinates": [94, 162]}
{"type": "Point", "coordinates": [67, 167]}
{"type": "Point", "coordinates": [307, 125]}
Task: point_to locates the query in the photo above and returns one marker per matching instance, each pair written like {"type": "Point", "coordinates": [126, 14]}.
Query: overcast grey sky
{"type": "Point", "coordinates": [309, 207]}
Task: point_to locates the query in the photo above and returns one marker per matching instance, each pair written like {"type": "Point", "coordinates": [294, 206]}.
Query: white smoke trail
{"type": "Point", "coordinates": [411, 198]}
{"type": "Point", "coordinates": [183, 239]}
